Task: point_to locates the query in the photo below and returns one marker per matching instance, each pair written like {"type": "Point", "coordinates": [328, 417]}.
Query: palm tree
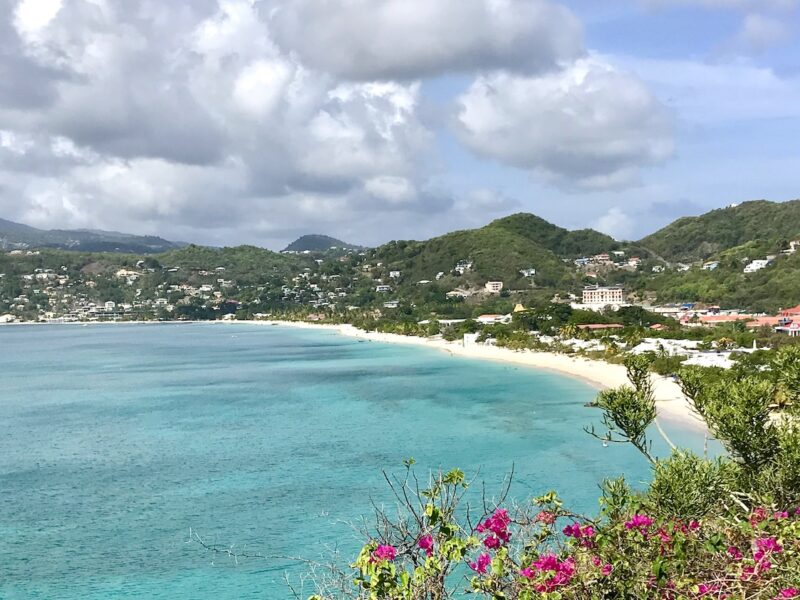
{"type": "Point", "coordinates": [568, 331]}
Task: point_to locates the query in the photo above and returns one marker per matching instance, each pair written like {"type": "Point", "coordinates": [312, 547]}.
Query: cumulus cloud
{"type": "Point", "coordinates": [189, 114]}
{"type": "Point", "coordinates": [231, 120]}
{"type": "Point", "coordinates": [589, 126]}
{"type": "Point", "coordinates": [615, 223]}
{"type": "Point", "coordinates": [407, 39]}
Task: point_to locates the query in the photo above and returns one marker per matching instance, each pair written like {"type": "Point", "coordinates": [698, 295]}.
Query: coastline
{"type": "Point", "coordinates": [671, 404]}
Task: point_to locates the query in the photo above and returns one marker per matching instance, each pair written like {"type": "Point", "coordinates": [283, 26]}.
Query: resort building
{"type": "Point", "coordinates": [494, 287]}
{"type": "Point", "coordinates": [599, 296]}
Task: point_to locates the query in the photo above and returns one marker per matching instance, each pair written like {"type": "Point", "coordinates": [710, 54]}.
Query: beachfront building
{"type": "Point", "coordinates": [597, 296]}
{"type": "Point", "coordinates": [791, 329]}
{"type": "Point", "coordinates": [494, 287]}
{"type": "Point", "coordinates": [493, 319]}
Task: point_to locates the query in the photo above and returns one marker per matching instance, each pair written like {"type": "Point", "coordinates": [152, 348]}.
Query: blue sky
{"type": "Point", "coordinates": [256, 121]}
{"type": "Point", "coordinates": [732, 144]}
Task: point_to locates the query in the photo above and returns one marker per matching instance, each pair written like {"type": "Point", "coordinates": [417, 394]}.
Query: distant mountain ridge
{"type": "Point", "coordinates": [16, 236]}
{"type": "Point", "coordinates": [318, 243]}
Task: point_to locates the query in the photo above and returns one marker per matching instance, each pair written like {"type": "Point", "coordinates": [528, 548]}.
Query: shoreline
{"type": "Point", "coordinates": [671, 404]}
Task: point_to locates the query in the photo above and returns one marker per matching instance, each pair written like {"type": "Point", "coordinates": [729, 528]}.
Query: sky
{"type": "Point", "coordinates": [224, 122]}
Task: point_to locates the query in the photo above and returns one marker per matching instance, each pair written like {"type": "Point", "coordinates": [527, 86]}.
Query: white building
{"type": "Point", "coordinates": [596, 295]}
{"type": "Point", "coordinates": [493, 319]}
{"type": "Point", "coordinates": [383, 289]}
{"type": "Point", "coordinates": [494, 287]}
{"type": "Point", "coordinates": [394, 274]}
{"type": "Point", "coordinates": [756, 265]}
{"type": "Point", "coordinates": [528, 272]}
{"type": "Point", "coordinates": [710, 266]}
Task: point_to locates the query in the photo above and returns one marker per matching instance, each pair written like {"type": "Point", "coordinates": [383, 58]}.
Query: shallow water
{"type": "Point", "coordinates": [116, 440]}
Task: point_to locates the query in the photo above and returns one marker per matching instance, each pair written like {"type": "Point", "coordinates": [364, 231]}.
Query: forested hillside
{"type": "Point", "coordinates": [697, 238]}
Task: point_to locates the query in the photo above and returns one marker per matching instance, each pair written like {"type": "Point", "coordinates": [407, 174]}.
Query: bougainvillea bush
{"type": "Point", "coordinates": [721, 528]}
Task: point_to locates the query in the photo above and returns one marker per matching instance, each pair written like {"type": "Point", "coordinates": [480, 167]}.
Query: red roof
{"type": "Point", "coordinates": [791, 312]}
{"type": "Point", "coordinates": [724, 318]}
{"type": "Point", "coordinates": [764, 322]}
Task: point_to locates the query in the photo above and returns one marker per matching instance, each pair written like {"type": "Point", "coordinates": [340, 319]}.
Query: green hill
{"type": "Point", "coordinates": [563, 242]}
{"type": "Point", "coordinates": [317, 243]}
{"type": "Point", "coordinates": [499, 251]}
{"type": "Point", "coordinates": [698, 238]}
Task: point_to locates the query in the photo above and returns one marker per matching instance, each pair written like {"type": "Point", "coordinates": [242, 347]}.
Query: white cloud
{"type": "Point", "coordinates": [407, 39]}
{"type": "Point", "coordinates": [188, 113]}
{"type": "Point", "coordinates": [615, 223]}
{"type": "Point", "coordinates": [31, 16]}
{"type": "Point", "coordinates": [588, 126]}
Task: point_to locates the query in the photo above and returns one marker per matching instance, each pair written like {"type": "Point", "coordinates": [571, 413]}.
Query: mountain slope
{"type": "Point", "coordinates": [499, 250]}
{"type": "Point", "coordinates": [697, 238]}
{"type": "Point", "coordinates": [317, 243]}
{"type": "Point", "coordinates": [18, 236]}
{"type": "Point", "coordinates": [562, 242]}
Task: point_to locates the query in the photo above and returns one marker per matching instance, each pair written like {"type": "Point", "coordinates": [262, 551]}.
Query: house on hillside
{"type": "Point", "coordinates": [757, 265]}
{"type": "Point", "coordinates": [494, 287]}
{"type": "Point", "coordinates": [710, 266]}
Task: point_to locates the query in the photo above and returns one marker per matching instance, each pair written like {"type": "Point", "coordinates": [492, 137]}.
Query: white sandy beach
{"type": "Point", "coordinates": [670, 401]}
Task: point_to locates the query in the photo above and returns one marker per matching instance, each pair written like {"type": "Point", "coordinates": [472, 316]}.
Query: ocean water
{"type": "Point", "coordinates": [115, 440]}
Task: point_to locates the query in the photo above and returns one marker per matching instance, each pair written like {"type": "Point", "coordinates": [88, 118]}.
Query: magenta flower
{"type": "Point", "coordinates": [426, 544]}
{"type": "Point", "coordinates": [789, 593]}
{"type": "Point", "coordinates": [757, 516]}
{"type": "Point", "coordinates": [497, 526]}
{"type": "Point", "coordinates": [481, 564]}
{"type": "Point", "coordinates": [734, 553]}
{"type": "Point", "coordinates": [708, 588]}
{"type": "Point", "coordinates": [385, 552]}
{"type": "Point", "coordinates": [640, 522]}
{"type": "Point", "coordinates": [606, 570]}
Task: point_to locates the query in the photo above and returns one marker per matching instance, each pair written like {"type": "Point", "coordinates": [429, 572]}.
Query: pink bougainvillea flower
{"type": "Point", "coordinates": [426, 544]}
{"type": "Point", "coordinates": [757, 516]}
{"type": "Point", "coordinates": [481, 563]}
{"type": "Point", "coordinates": [789, 593]}
{"type": "Point", "coordinates": [734, 553]}
{"type": "Point", "coordinates": [385, 552]}
{"type": "Point", "coordinates": [708, 588]}
{"type": "Point", "coordinates": [782, 514]}
{"type": "Point", "coordinates": [606, 570]}
{"type": "Point", "coordinates": [546, 517]}
{"type": "Point", "coordinates": [639, 522]}
{"type": "Point", "coordinates": [497, 526]}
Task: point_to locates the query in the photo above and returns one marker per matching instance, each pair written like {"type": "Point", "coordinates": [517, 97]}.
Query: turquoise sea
{"type": "Point", "coordinates": [115, 440]}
